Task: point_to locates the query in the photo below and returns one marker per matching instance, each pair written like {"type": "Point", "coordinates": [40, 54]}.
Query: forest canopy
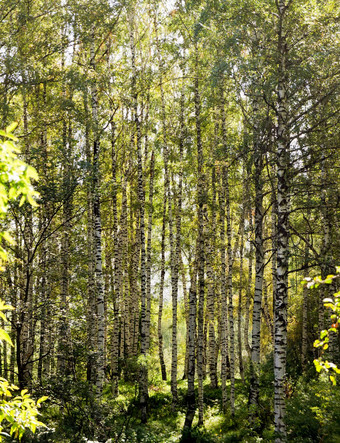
{"type": "Point", "coordinates": [186, 196]}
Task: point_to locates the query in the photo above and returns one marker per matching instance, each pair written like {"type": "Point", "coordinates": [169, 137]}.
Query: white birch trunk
{"type": "Point", "coordinates": [281, 299]}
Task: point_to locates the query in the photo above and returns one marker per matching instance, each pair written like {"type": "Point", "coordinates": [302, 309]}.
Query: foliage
{"type": "Point", "coordinates": [334, 305]}
{"type": "Point", "coordinates": [313, 412]}
{"type": "Point", "coordinates": [20, 412]}
{"type": "Point", "coordinates": [15, 180]}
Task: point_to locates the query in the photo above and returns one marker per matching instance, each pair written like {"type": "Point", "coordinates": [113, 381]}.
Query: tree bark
{"type": "Point", "coordinates": [281, 299]}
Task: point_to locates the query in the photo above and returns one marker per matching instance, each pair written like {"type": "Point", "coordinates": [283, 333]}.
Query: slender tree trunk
{"type": "Point", "coordinates": [117, 278]}
{"type": "Point", "coordinates": [91, 302]}
{"type": "Point", "coordinates": [191, 400]}
{"type": "Point", "coordinates": [239, 310]}
{"type": "Point", "coordinates": [201, 203]}
{"type": "Point", "coordinates": [64, 346]}
{"type": "Point", "coordinates": [230, 297]}
{"type": "Point", "coordinates": [281, 299]}
{"type": "Point", "coordinates": [174, 264]}
{"type": "Point", "coordinates": [304, 340]}
{"type": "Point", "coordinates": [148, 258]}
{"type": "Point", "coordinates": [211, 288]}
{"type": "Point", "coordinates": [97, 237]}
{"type": "Point", "coordinates": [230, 262]}
{"type": "Point", "coordinates": [249, 287]}
{"type": "Point", "coordinates": [224, 302]}
{"type": "Point", "coordinates": [161, 292]}
{"type": "Point", "coordinates": [143, 377]}
{"type": "Point", "coordinates": [259, 268]}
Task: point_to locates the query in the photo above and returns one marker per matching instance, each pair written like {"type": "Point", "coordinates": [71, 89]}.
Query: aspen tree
{"type": "Point", "coordinates": [174, 266]}
{"type": "Point", "coordinates": [282, 161]}
{"type": "Point", "coordinates": [117, 279]}
{"type": "Point", "coordinates": [259, 266]}
{"type": "Point", "coordinates": [211, 287]}
{"type": "Point", "coordinates": [304, 338]}
{"type": "Point", "coordinates": [191, 401]}
{"type": "Point", "coordinates": [97, 234]}
{"type": "Point", "coordinates": [143, 377]}
{"type": "Point", "coordinates": [161, 291]}
{"type": "Point", "coordinates": [91, 304]}
{"type": "Point", "coordinates": [201, 207]}
{"type": "Point", "coordinates": [239, 306]}
{"type": "Point", "coordinates": [148, 260]}
{"type": "Point", "coordinates": [224, 300]}
{"type": "Point", "coordinates": [250, 272]}
{"type": "Point", "coordinates": [64, 348]}
{"type": "Point", "coordinates": [230, 255]}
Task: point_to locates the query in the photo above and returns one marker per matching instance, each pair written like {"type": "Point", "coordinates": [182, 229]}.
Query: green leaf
{"type": "Point", "coordinates": [22, 200]}
{"type": "Point", "coordinates": [317, 364]}
{"type": "Point", "coordinates": [11, 127]}
{"type": "Point", "coordinates": [323, 333]}
{"type": "Point", "coordinates": [8, 238]}
{"type": "Point", "coordinates": [40, 400]}
{"type": "Point", "coordinates": [5, 337]}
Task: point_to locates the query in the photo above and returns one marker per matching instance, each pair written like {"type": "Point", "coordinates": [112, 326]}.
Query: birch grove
{"type": "Point", "coordinates": [188, 180]}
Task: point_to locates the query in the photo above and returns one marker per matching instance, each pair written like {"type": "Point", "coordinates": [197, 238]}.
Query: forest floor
{"type": "Point", "coordinates": [119, 420]}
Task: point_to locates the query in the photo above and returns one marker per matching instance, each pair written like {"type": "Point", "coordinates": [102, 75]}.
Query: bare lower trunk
{"type": "Point", "coordinates": [224, 349]}
{"type": "Point", "coordinates": [211, 290]}
{"type": "Point", "coordinates": [191, 401]}
{"type": "Point", "coordinates": [304, 340]}
{"type": "Point", "coordinates": [239, 310]}
{"type": "Point", "coordinates": [259, 268]}
{"type": "Point", "coordinates": [161, 292]}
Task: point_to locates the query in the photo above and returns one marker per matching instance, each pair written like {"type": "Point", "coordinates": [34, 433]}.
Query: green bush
{"type": "Point", "coordinates": [313, 412]}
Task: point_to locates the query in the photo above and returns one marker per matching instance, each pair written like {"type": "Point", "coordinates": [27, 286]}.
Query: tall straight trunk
{"type": "Point", "coordinates": [125, 325]}
{"type": "Point", "coordinates": [201, 204]}
{"type": "Point", "coordinates": [186, 311]}
{"type": "Point", "coordinates": [117, 277]}
{"type": "Point", "coordinates": [304, 339]}
{"type": "Point", "coordinates": [211, 288]}
{"type": "Point", "coordinates": [13, 301]}
{"type": "Point", "coordinates": [249, 284]}
{"type": "Point", "coordinates": [44, 257]}
{"type": "Point", "coordinates": [25, 339]}
{"type": "Point", "coordinates": [97, 237]}
{"type": "Point", "coordinates": [178, 258]}
{"type": "Point", "coordinates": [174, 259]}
{"type": "Point", "coordinates": [326, 266]}
{"type": "Point", "coordinates": [230, 260]}
{"type": "Point", "coordinates": [239, 307]}
{"type": "Point", "coordinates": [230, 296]}
{"type": "Point", "coordinates": [42, 344]}
{"type": "Point", "coordinates": [64, 347]}
{"type": "Point", "coordinates": [224, 301]}
{"type": "Point", "coordinates": [281, 299]}
{"type": "Point", "coordinates": [259, 268]}
{"type": "Point", "coordinates": [148, 257]}
{"type": "Point", "coordinates": [191, 400]}
{"type": "Point", "coordinates": [91, 319]}
{"type": "Point", "coordinates": [143, 377]}
{"type": "Point", "coordinates": [274, 245]}
{"type": "Point", "coordinates": [161, 293]}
